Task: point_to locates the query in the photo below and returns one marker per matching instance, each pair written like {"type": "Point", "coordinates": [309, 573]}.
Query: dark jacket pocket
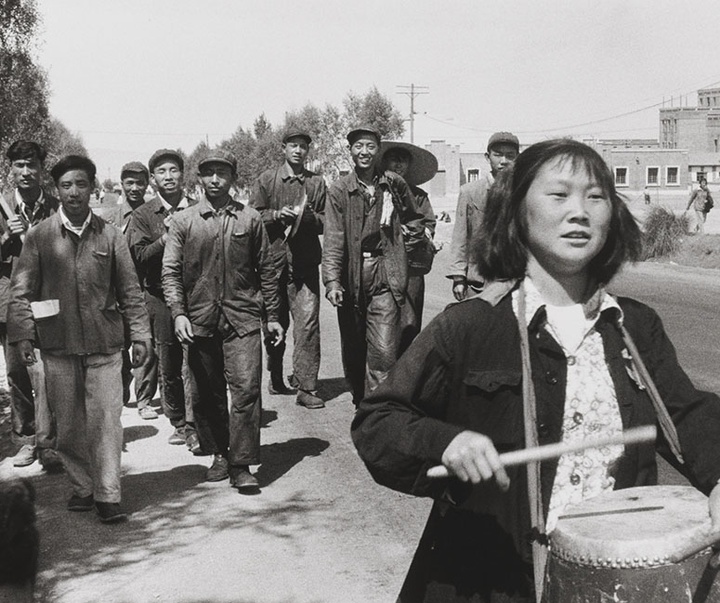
{"type": "Point", "coordinates": [495, 406]}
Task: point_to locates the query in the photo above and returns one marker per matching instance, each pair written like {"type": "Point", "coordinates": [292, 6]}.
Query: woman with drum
{"type": "Point", "coordinates": [543, 355]}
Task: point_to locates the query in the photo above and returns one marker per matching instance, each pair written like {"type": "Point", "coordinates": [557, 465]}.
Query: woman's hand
{"type": "Point", "coordinates": [472, 457]}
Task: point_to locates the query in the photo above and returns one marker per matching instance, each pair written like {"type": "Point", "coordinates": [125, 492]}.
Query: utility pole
{"type": "Point", "coordinates": [412, 91]}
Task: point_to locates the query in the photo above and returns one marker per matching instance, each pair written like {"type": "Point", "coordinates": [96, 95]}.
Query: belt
{"type": "Point", "coordinates": [372, 254]}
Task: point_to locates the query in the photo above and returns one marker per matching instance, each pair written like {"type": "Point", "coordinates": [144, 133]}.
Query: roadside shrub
{"type": "Point", "coordinates": [663, 232]}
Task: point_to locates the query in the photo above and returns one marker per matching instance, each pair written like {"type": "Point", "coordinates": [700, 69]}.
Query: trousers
{"type": "Point", "coordinates": [411, 312]}
{"type": "Point", "coordinates": [299, 298]}
{"type": "Point", "coordinates": [369, 331]}
{"type": "Point", "coordinates": [146, 380]}
{"type": "Point", "coordinates": [226, 361]}
{"type": "Point", "coordinates": [32, 420]}
{"type": "Point", "coordinates": [85, 394]}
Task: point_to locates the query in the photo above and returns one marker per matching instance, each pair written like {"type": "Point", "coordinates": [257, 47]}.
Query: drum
{"type": "Point", "coordinates": [637, 545]}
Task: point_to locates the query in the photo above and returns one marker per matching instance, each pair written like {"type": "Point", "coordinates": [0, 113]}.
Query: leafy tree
{"type": "Point", "coordinates": [59, 141]}
{"type": "Point", "coordinates": [373, 109]}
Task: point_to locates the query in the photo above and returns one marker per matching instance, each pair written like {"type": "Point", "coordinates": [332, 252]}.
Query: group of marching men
{"type": "Point", "coordinates": [182, 293]}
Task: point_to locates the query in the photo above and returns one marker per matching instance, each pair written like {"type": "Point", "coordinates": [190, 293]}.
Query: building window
{"type": "Point", "coordinates": [473, 175]}
{"type": "Point", "coordinates": [621, 178]}
{"type": "Point", "coordinates": [672, 175]}
{"type": "Point", "coordinates": [651, 178]}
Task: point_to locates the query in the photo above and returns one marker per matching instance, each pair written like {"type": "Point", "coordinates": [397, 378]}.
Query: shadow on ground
{"type": "Point", "coordinates": [169, 510]}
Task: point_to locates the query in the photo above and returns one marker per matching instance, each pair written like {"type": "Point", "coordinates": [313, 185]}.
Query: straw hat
{"type": "Point", "coordinates": [423, 164]}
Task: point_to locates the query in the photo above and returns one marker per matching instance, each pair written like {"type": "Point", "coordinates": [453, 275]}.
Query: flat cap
{"type": "Point", "coordinates": [296, 133]}
{"type": "Point", "coordinates": [503, 138]}
{"type": "Point", "coordinates": [219, 156]}
{"type": "Point", "coordinates": [357, 132]}
{"type": "Point", "coordinates": [134, 167]}
{"type": "Point", "coordinates": [165, 154]}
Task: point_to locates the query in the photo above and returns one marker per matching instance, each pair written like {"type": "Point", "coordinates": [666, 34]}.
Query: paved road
{"type": "Point", "coordinates": [321, 531]}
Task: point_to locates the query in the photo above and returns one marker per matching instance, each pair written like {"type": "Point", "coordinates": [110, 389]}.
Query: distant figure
{"type": "Point", "coordinates": [646, 196]}
{"type": "Point", "coordinates": [502, 149]}
{"type": "Point", "coordinates": [32, 423]}
{"type": "Point", "coordinates": [134, 178]}
{"type": "Point", "coordinates": [147, 237]}
{"type": "Point", "coordinates": [19, 542]}
{"type": "Point", "coordinates": [291, 201]}
{"type": "Point", "coordinates": [416, 165]}
{"type": "Point", "coordinates": [702, 202]}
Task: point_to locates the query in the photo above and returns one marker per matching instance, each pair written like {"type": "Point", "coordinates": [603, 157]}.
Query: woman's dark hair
{"type": "Point", "coordinates": [73, 162]}
{"type": "Point", "coordinates": [502, 244]}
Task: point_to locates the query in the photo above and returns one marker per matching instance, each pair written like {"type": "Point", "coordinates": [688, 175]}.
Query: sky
{"type": "Point", "coordinates": [132, 76]}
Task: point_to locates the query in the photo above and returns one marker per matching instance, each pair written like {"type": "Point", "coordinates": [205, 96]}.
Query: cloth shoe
{"type": "Point", "coordinates": [110, 512]}
{"type": "Point", "coordinates": [148, 413]}
{"type": "Point", "coordinates": [309, 399]}
{"type": "Point", "coordinates": [178, 436]}
{"type": "Point", "coordinates": [80, 503]}
{"type": "Point", "coordinates": [218, 471]}
{"type": "Point", "coordinates": [50, 460]}
{"type": "Point", "coordinates": [243, 480]}
{"type": "Point", "coordinates": [193, 443]}
{"type": "Point", "coordinates": [25, 456]}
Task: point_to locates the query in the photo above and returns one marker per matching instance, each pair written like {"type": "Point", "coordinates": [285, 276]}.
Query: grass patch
{"type": "Point", "coordinates": [663, 233]}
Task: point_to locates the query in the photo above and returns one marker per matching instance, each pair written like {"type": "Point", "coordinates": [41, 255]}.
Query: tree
{"type": "Point", "coordinates": [59, 141]}
{"type": "Point", "coordinates": [374, 109]}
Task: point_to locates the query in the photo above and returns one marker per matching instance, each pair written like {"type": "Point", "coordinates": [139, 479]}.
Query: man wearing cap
{"type": "Point", "coordinates": [217, 275]}
{"type": "Point", "coordinates": [415, 165]}
{"type": "Point", "coordinates": [134, 180]}
{"type": "Point", "coordinates": [26, 206]}
{"type": "Point", "coordinates": [74, 293]}
{"type": "Point", "coordinates": [502, 149]}
{"type": "Point", "coordinates": [291, 201]}
{"type": "Point", "coordinates": [147, 237]}
{"type": "Point", "coordinates": [370, 219]}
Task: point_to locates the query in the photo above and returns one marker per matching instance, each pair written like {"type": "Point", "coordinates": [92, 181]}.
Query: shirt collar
{"type": "Point", "coordinates": [23, 206]}
{"type": "Point", "coordinates": [205, 207]}
{"type": "Point", "coordinates": [184, 203]}
{"type": "Point", "coordinates": [70, 227]}
{"type": "Point", "coordinates": [288, 174]}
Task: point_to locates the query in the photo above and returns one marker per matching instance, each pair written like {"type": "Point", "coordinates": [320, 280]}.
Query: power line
{"type": "Point", "coordinates": [412, 91]}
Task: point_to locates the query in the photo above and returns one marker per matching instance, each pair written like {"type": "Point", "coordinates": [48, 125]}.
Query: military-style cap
{"type": "Point", "coordinates": [219, 156]}
{"type": "Point", "coordinates": [503, 138]}
{"type": "Point", "coordinates": [356, 133]}
{"type": "Point", "coordinates": [165, 154]}
{"type": "Point", "coordinates": [134, 167]}
{"type": "Point", "coordinates": [296, 133]}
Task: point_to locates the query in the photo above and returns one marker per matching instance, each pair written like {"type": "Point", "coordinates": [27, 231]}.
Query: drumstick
{"type": "Point", "coordinates": [636, 435]}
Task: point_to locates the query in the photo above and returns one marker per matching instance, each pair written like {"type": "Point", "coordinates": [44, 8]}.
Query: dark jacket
{"type": "Point", "coordinates": [217, 263]}
{"type": "Point", "coordinates": [145, 232]}
{"type": "Point", "coordinates": [11, 246]}
{"type": "Point", "coordinates": [277, 188]}
{"type": "Point", "coordinates": [463, 372]}
{"type": "Point", "coordinates": [93, 278]}
{"type": "Point", "coordinates": [344, 216]}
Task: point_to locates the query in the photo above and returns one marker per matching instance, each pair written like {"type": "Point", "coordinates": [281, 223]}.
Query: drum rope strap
{"type": "Point", "coordinates": [666, 424]}
{"type": "Point", "coordinates": [537, 519]}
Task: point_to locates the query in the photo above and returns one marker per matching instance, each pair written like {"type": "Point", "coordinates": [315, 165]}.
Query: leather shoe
{"type": "Point", "coordinates": [243, 480]}
{"type": "Point", "coordinates": [110, 512]}
{"type": "Point", "coordinates": [50, 460]}
{"type": "Point", "coordinates": [25, 456]}
{"type": "Point", "coordinates": [81, 503]}
{"type": "Point", "coordinates": [278, 388]}
{"type": "Point", "coordinates": [309, 400]}
{"type": "Point", "coordinates": [218, 471]}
